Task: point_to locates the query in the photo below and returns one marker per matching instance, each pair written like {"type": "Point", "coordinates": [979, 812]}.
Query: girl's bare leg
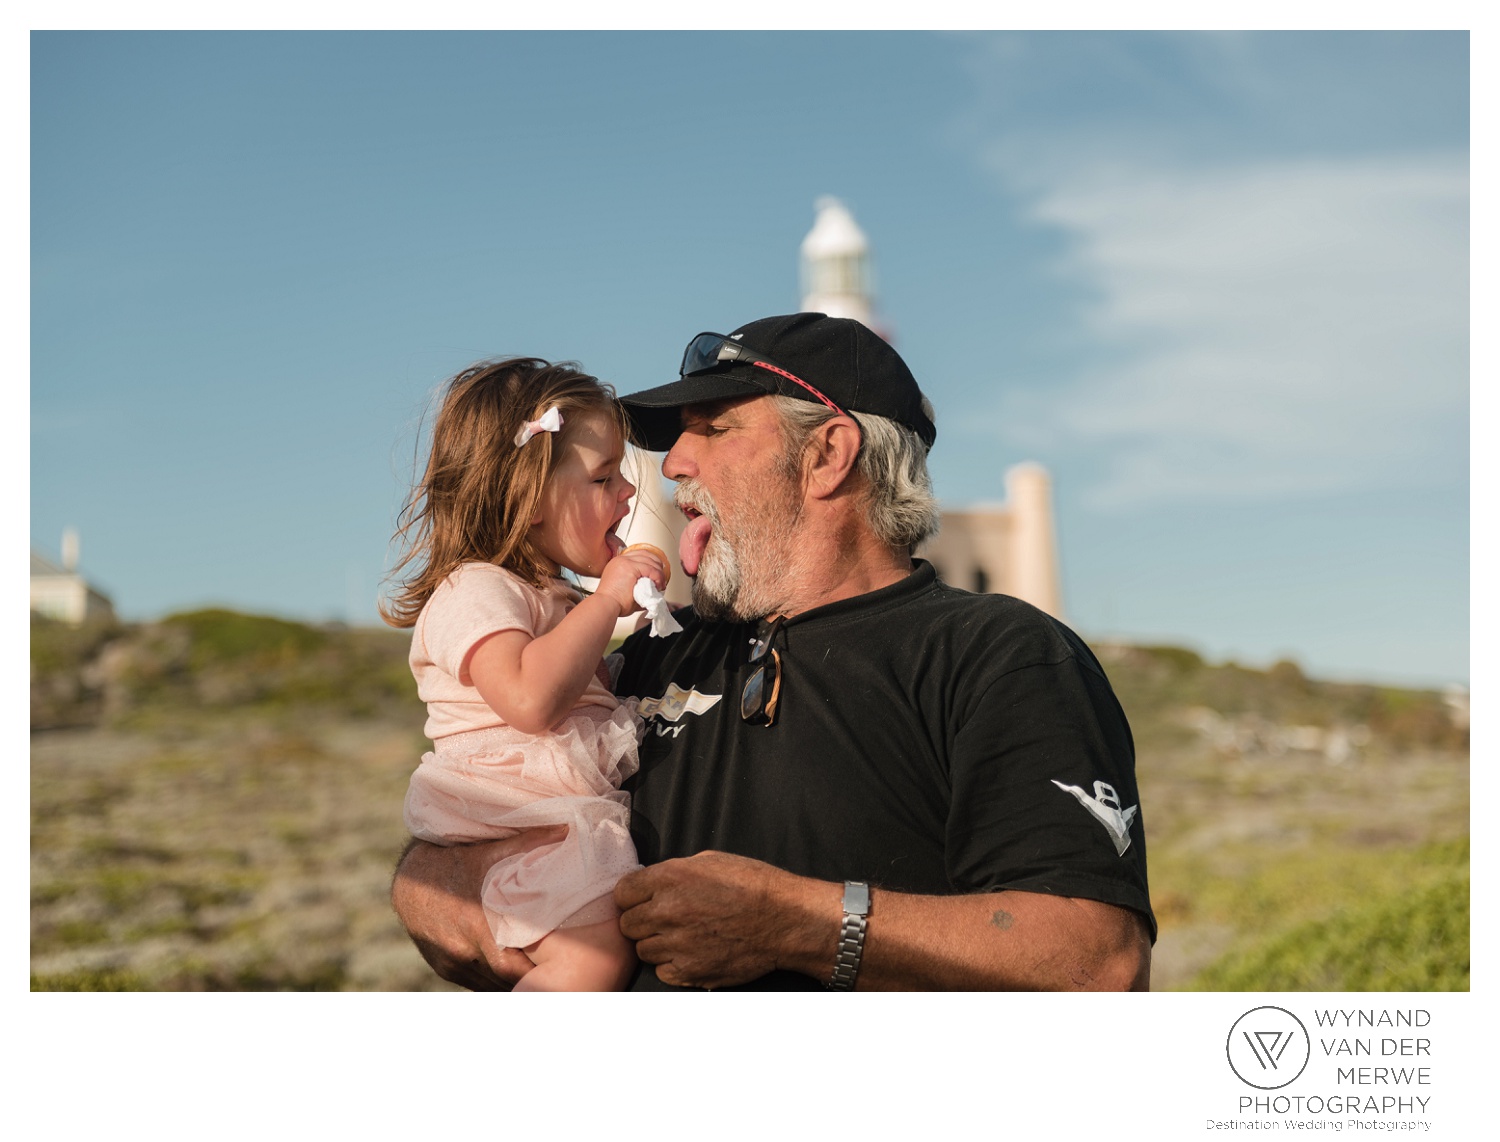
{"type": "Point", "coordinates": [591, 957]}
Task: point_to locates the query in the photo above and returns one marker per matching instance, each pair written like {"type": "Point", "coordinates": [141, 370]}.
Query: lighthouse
{"type": "Point", "coordinates": [836, 277]}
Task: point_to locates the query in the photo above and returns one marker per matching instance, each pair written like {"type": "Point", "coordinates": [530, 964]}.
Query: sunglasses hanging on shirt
{"type": "Point", "coordinates": [762, 693]}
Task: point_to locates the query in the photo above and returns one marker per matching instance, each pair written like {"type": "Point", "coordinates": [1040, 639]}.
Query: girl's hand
{"type": "Point", "coordinates": [623, 572]}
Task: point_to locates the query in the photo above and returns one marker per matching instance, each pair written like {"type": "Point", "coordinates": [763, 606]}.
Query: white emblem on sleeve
{"type": "Point", "coordinates": [1105, 806]}
{"type": "Point", "coordinates": [676, 702]}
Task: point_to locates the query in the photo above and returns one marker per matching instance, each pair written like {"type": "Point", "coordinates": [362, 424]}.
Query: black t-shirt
{"type": "Point", "coordinates": [928, 741]}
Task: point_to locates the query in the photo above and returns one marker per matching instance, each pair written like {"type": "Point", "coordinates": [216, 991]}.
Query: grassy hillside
{"type": "Point", "coordinates": [1286, 818]}
{"type": "Point", "coordinates": [150, 675]}
{"type": "Point", "coordinates": [1381, 937]}
{"type": "Point", "coordinates": [216, 803]}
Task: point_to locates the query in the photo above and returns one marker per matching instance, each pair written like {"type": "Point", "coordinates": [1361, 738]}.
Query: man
{"type": "Point", "coordinates": [853, 774]}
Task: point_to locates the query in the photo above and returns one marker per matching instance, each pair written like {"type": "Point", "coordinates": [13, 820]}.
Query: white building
{"type": "Point", "coordinates": [1008, 548]}
{"type": "Point", "coordinates": [61, 593]}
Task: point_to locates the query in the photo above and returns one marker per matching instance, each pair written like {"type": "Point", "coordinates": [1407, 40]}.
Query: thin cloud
{"type": "Point", "coordinates": [1277, 328]}
{"type": "Point", "coordinates": [1268, 238]}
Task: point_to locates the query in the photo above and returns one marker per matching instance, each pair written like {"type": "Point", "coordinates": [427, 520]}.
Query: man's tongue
{"type": "Point", "coordinates": [694, 540]}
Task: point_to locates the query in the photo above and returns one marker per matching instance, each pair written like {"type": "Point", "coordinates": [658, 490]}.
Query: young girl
{"type": "Point", "coordinates": [523, 481]}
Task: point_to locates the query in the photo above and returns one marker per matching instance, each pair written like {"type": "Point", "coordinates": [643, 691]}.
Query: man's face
{"type": "Point", "coordinates": [742, 503]}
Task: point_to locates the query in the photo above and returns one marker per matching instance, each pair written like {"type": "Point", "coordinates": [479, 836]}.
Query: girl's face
{"type": "Point", "coordinates": [585, 498]}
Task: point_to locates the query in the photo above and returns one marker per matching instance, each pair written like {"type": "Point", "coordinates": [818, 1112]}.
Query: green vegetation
{"type": "Point", "coordinates": [1289, 819]}
{"type": "Point", "coordinates": [1409, 938]}
{"type": "Point", "coordinates": [196, 976]}
{"type": "Point", "coordinates": [1155, 680]}
{"type": "Point", "coordinates": [58, 646]}
{"type": "Point", "coordinates": [104, 979]}
{"type": "Point", "coordinates": [155, 675]}
{"type": "Point", "coordinates": [217, 637]}
{"type": "Point", "coordinates": [63, 662]}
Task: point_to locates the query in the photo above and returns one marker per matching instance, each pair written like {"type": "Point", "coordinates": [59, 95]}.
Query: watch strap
{"type": "Point", "coordinates": [851, 935]}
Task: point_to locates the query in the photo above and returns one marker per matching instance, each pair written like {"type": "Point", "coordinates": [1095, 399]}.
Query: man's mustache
{"type": "Point", "coordinates": [690, 494]}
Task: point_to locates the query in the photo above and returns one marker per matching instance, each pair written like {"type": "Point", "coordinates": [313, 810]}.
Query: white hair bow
{"type": "Point", "coordinates": [551, 421]}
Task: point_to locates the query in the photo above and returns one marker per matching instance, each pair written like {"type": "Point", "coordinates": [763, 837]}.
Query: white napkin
{"type": "Point", "coordinates": [648, 596]}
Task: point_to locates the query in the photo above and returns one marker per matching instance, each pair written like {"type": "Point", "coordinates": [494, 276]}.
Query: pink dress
{"type": "Point", "coordinates": [485, 780]}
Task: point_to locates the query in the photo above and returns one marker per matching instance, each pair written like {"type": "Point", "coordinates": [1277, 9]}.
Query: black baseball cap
{"type": "Point", "coordinates": [835, 361]}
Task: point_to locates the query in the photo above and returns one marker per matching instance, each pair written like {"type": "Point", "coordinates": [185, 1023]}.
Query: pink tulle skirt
{"type": "Point", "coordinates": [492, 783]}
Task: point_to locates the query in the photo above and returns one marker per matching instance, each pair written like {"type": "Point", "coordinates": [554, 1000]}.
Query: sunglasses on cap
{"type": "Point", "coordinates": [710, 350]}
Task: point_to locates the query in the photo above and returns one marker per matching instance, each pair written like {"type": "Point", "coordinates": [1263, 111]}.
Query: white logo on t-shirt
{"type": "Point", "coordinates": [1105, 806]}
{"type": "Point", "coordinates": [675, 702]}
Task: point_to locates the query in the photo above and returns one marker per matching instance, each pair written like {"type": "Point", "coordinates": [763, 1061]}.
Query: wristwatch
{"type": "Point", "coordinates": [851, 935]}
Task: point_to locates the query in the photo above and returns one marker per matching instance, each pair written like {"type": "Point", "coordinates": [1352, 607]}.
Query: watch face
{"type": "Point", "coordinates": [856, 898]}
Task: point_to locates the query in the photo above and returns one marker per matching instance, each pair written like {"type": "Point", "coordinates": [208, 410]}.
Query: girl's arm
{"type": "Point", "coordinates": [533, 683]}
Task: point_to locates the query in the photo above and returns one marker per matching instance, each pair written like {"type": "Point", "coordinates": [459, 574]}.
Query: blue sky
{"type": "Point", "coordinates": [1216, 282]}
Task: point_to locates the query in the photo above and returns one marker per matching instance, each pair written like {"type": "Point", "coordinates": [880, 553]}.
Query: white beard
{"type": "Point", "coordinates": [746, 575]}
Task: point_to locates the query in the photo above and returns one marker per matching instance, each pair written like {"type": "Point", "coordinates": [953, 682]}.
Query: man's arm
{"type": "Point", "coordinates": [715, 919]}
{"type": "Point", "coordinates": [435, 894]}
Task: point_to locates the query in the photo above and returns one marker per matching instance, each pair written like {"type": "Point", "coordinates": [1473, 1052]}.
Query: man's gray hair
{"type": "Point", "coordinates": [900, 508]}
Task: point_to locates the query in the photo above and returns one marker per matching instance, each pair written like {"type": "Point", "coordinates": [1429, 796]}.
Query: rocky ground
{"type": "Point", "coordinates": [243, 855]}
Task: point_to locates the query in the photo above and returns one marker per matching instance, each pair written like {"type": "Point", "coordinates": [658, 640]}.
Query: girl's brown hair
{"type": "Point", "coordinates": [476, 501]}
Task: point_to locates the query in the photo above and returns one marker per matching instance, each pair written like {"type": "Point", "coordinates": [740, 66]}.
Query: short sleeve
{"type": "Point", "coordinates": [476, 601]}
{"type": "Point", "coordinates": [1044, 792]}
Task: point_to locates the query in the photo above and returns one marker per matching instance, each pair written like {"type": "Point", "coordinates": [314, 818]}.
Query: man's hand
{"type": "Point", "coordinates": [715, 919]}
{"type": "Point", "coordinates": [435, 893]}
